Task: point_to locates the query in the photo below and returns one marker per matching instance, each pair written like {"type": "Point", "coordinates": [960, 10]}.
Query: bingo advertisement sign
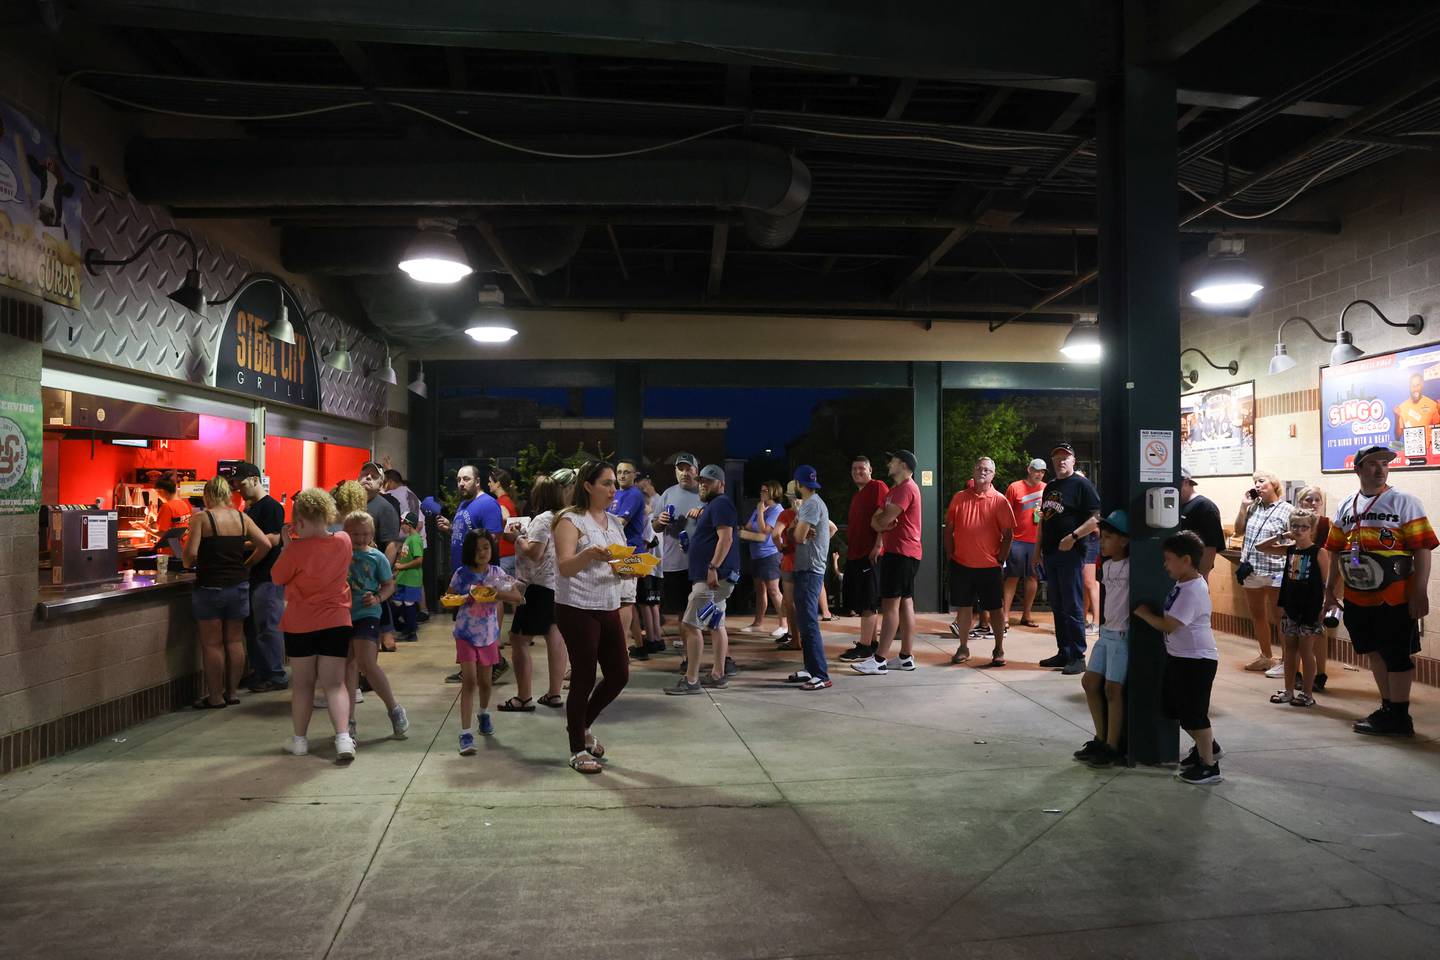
{"type": "Point", "coordinates": [40, 218]}
{"type": "Point", "coordinates": [1391, 399]}
{"type": "Point", "coordinates": [19, 454]}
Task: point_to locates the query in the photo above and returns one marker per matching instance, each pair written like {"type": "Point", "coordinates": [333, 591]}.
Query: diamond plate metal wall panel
{"type": "Point", "coordinates": [127, 318]}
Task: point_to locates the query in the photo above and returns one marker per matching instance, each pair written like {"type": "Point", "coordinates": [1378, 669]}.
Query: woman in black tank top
{"type": "Point", "coordinates": [223, 545]}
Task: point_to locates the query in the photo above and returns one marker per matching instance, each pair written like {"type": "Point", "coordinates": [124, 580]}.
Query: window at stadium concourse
{"type": "Point", "coordinates": [1014, 427]}
{"type": "Point", "coordinates": [770, 430]}
{"type": "Point", "coordinates": [524, 429]}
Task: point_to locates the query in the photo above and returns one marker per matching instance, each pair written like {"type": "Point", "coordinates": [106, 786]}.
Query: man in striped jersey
{"type": "Point", "coordinates": [1382, 540]}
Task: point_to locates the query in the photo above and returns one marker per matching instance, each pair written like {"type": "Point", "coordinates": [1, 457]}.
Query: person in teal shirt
{"type": "Point", "coordinates": [409, 579]}
{"type": "Point", "coordinates": [372, 583]}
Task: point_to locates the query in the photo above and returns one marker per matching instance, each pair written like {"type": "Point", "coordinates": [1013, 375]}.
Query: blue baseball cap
{"type": "Point", "coordinates": [430, 506]}
{"type": "Point", "coordinates": [1119, 521]}
{"type": "Point", "coordinates": [806, 476]}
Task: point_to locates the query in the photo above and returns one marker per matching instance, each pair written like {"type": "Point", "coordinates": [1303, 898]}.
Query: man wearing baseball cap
{"type": "Point", "coordinates": [1024, 496]}
{"type": "Point", "coordinates": [1382, 540]}
{"type": "Point", "coordinates": [714, 568]}
{"type": "Point", "coordinates": [898, 523]}
{"type": "Point", "coordinates": [673, 517]}
{"type": "Point", "coordinates": [811, 534]}
{"type": "Point", "coordinates": [265, 643]}
{"type": "Point", "coordinates": [1069, 512]}
{"type": "Point", "coordinates": [1200, 516]}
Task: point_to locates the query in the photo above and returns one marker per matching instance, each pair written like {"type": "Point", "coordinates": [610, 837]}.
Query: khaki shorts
{"type": "Point", "coordinates": [700, 595]}
{"type": "Point", "coordinates": [629, 586]}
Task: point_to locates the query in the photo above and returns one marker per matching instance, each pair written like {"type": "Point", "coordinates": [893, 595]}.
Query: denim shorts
{"type": "Point", "coordinates": [221, 603]}
{"type": "Point", "coordinates": [765, 568]}
{"type": "Point", "coordinates": [1110, 655]}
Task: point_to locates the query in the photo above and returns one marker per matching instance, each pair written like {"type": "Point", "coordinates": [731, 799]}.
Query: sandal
{"type": "Point", "coordinates": [1302, 700]}
{"type": "Point", "coordinates": [594, 747]}
{"type": "Point", "coordinates": [1281, 696]}
{"type": "Point", "coordinates": [203, 704]}
{"type": "Point", "coordinates": [232, 701]}
{"type": "Point", "coordinates": [1028, 623]}
{"type": "Point", "coordinates": [994, 662]}
{"type": "Point", "coordinates": [551, 700]}
{"type": "Point", "coordinates": [961, 654]}
{"type": "Point", "coordinates": [516, 705]}
{"type": "Point", "coordinates": [585, 762]}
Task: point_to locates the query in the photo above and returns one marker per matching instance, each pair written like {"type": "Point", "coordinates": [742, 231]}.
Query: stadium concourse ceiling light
{"type": "Point", "coordinates": [1228, 279]}
{"type": "Point", "coordinates": [435, 256]}
{"type": "Point", "coordinates": [1192, 376]}
{"type": "Point", "coordinates": [188, 295]}
{"type": "Point", "coordinates": [496, 330]}
{"type": "Point", "coordinates": [417, 386]}
{"type": "Point", "coordinates": [491, 324]}
{"type": "Point", "coordinates": [1345, 350]}
{"type": "Point", "coordinates": [386, 372]}
{"type": "Point", "coordinates": [1082, 343]}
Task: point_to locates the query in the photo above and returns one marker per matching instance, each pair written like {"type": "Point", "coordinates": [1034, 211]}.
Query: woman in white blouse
{"type": "Point", "coordinates": [587, 608]}
{"type": "Point", "coordinates": [535, 567]}
{"type": "Point", "coordinates": [1263, 513]}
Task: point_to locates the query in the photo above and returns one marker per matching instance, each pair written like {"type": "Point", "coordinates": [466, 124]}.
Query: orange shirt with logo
{"type": "Point", "coordinates": [977, 524]}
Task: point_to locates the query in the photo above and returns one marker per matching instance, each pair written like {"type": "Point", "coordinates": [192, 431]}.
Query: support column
{"type": "Point", "coordinates": [925, 385]}
{"type": "Point", "coordinates": [1140, 332]}
{"type": "Point", "coordinates": [423, 456]}
{"type": "Point", "coordinates": [630, 409]}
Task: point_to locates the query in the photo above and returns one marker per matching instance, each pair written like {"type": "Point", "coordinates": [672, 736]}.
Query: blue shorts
{"type": "Point", "coordinates": [765, 568]}
{"type": "Point", "coordinates": [407, 595]}
{"type": "Point", "coordinates": [367, 628]}
{"type": "Point", "coordinates": [1021, 562]}
{"type": "Point", "coordinates": [1110, 655]}
{"type": "Point", "coordinates": [221, 603]}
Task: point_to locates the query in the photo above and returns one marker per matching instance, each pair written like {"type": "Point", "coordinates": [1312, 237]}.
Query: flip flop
{"type": "Point", "coordinates": [1028, 623]}
{"type": "Point", "coordinates": [961, 655]}
{"type": "Point", "coordinates": [232, 701]}
{"type": "Point", "coordinates": [994, 662]}
{"type": "Point", "coordinates": [203, 704]}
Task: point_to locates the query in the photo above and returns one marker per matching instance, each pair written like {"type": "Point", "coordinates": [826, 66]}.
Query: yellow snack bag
{"type": "Point", "coordinates": [619, 551]}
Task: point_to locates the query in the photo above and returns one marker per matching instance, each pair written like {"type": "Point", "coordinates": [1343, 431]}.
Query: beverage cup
{"type": "Point", "coordinates": [162, 565]}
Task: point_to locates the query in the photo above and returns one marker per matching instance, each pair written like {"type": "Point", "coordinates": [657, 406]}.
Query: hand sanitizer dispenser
{"type": "Point", "coordinates": [1162, 508]}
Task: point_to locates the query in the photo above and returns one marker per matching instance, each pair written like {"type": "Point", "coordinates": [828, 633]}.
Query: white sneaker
{"type": "Point", "coordinates": [344, 748]}
{"type": "Point", "coordinates": [1277, 671]}
{"type": "Point", "coordinates": [399, 721]}
{"type": "Point", "coordinates": [298, 746]}
{"type": "Point", "coordinates": [320, 700]}
{"type": "Point", "coordinates": [359, 695]}
{"type": "Point", "coordinates": [870, 666]}
{"type": "Point", "coordinates": [778, 632]}
{"type": "Point", "coordinates": [902, 663]}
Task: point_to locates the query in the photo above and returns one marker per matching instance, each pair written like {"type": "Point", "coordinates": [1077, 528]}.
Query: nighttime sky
{"type": "Point", "coordinates": [758, 418]}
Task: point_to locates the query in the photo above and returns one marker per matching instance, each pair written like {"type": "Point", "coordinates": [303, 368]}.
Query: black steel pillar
{"type": "Point", "coordinates": [630, 409]}
{"type": "Point", "coordinates": [925, 383]}
{"type": "Point", "coordinates": [1140, 332]}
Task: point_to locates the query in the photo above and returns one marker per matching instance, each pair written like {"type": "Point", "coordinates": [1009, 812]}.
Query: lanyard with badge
{"type": "Point", "coordinates": [1357, 513]}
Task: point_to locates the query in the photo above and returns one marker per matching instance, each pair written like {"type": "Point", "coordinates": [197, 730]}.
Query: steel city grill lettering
{"type": "Point", "coordinates": [258, 355]}
{"type": "Point", "coordinates": [252, 362]}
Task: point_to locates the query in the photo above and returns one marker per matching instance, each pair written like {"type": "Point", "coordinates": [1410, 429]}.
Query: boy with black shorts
{"type": "Point", "coordinates": [1190, 655]}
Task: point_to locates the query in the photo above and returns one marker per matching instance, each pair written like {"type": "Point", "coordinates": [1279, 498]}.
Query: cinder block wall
{"type": "Point", "coordinates": [1388, 251]}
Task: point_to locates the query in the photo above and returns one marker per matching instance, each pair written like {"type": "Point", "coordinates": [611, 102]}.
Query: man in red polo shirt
{"type": "Point", "coordinates": [980, 526]}
{"type": "Point", "coordinates": [898, 524]}
{"type": "Point", "coordinates": [1024, 496]}
{"type": "Point", "coordinates": [862, 571]}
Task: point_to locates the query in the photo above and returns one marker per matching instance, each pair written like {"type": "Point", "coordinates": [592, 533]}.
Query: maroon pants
{"type": "Point", "coordinates": [592, 637]}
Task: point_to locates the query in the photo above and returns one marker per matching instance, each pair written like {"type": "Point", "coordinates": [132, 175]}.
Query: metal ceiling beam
{"type": "Point", "coordinates": [522, 280]}
{"type": "Point", "coordinates": [720, 236]}
{"type": "Point", "coordinates": [619, 256]}
{"type": "Point", "coordinates": [1042, 37]}
{"type": "Point", "coordinates": [904, 90]}
{"type": "Point", "coordinates": [1178, 26]}
{"type": "Point", "coordinates": [779, 305]}
{"type": "Point", "coordinates": [992, 103]}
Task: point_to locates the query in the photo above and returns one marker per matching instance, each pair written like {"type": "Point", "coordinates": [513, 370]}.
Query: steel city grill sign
{"type": "Point", "coordinates": [252, 362]}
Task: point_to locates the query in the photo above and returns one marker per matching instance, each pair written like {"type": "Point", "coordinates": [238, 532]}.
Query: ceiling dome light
{"type": "Point", "coordinates": [1082, 343]}
{"type": "Point", "coordinates": [495, 332]}
{"type": "Point", "coordinates": [1228, 279]}
{"type": "Point", "coordinates": [435, 256]}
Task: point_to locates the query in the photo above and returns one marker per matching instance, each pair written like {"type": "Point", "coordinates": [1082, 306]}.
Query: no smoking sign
{"type": "Point", "coordinates": [1157, 452]}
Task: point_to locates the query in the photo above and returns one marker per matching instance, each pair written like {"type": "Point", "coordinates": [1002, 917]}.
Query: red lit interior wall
{"type": "Point", "coordinates": [285, 465]}
{"type": "Point", "coordinates": [86, 471]}
{"type": "Point", "coordinates": [336, 463]}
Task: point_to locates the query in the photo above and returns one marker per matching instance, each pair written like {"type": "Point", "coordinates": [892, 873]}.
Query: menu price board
{"type": "Point", "coordinates": [1386, 400]}
{"type": "Point", "coordinates": [1217, 431]}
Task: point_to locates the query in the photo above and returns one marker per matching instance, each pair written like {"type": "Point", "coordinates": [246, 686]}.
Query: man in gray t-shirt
{"type": "Point", "coordinates": [811, 533]}
{"type": "Point", "coordinates": [675, 533]}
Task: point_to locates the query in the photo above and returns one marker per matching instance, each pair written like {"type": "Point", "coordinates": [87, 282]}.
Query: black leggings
{"type": "Point", "coordinates": [591, 637]}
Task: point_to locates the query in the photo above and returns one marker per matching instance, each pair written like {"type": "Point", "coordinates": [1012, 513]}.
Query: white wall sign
{"type": "Point", "coordinates": [1157, 456]}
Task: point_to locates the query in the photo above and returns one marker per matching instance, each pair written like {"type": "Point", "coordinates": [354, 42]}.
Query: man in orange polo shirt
{"type": "Point", "coordinates": [980, 525]}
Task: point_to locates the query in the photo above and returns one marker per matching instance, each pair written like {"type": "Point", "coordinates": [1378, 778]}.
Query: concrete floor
{"type": "Point", "coordinates": [908, 815]}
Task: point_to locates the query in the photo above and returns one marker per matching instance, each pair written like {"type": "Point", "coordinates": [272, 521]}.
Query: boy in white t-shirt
{"type": "Point", "coordinates": [1104, 679]}
{"type": "Point", "coordinates": [1190, 655]}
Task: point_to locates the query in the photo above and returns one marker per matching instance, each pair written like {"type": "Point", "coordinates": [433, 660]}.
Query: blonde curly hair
{"type": "Point", "coordinates": [349, 497]}
{"type": "Point", "coordinates": [314, 505]}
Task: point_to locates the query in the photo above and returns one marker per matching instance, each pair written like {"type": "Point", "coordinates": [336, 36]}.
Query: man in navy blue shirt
{"type": "Point", "coordinates": [714, 569]}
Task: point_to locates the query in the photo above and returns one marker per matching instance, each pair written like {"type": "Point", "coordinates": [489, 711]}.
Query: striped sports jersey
{"type": "Point", "coordinates": [1390, 524]}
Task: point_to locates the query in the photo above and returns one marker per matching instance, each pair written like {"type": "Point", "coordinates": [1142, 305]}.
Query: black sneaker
{"type": "Point", "coordinates": [1384, 723]}
{"type": "Point", "coordinates": [422, 617]}
{"type": "Point", "coordinates": [639, 653]}
{"type": "Point", "coordinates": [1320, 679]}
{"type": "Point", "coordinates": [1091, 748]}
{"type": "Point", "coordinates": [453, 678]}
{"type": "Point", "coordinates": [1193, 757]}
{"type": "Point", "coordinates": [1106, 757]}
{"type": "Point", "coordinates": [730, 668]}
{"type": "Point", "coordinates": [1059, 660]}
{"type": "Point", "coordinates": [1199, 774]}
{"type": "Point", "coordinates": [1074, 667]}
{"type": "Point", "coordinates": [654, 646]}
{"type": "Point", "coordinates": [861, 651]}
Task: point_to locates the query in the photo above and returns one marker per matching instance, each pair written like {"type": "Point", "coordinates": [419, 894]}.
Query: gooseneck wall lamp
{"type": "Point", "coordinates": [1345, 349]}
{"type": "Point", "coordinates": [278, 329]}
{"type": "Point", "coordinates": [188, 295]}
{"type": "Point", "coordinates": [1188, 378]}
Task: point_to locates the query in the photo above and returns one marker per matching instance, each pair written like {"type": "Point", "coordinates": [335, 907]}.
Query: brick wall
{"type": "Point", "coordinates": [1388, 251]}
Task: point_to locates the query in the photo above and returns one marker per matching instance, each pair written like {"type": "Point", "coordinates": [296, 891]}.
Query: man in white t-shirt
{"type": "Point", "coordinates": [673, 517]}
{"type": "Point", "coordinates": [1191, 656]}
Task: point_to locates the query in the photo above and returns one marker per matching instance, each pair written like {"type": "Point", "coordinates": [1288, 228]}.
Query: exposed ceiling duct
{"type": "Point", "coordinates": [769, 187]}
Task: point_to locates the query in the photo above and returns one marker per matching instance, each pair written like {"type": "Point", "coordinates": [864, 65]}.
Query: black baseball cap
{"type": "Point", "coordinates": [411, 519]}
{"type": "Point", "coordinates": [1063, 445]}
{"type": "Point", "coordinates": [1377, 450]}
{"type": "Point", "coordinates": [904, 456]}
{"type": "Point", "coordinates": [244, 470]}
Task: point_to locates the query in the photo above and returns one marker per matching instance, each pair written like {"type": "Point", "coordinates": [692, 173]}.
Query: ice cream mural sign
{"type": "Point", "coordinates": [40, 216]}
{"type": "Point", "coordinates": [1388, 400]}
